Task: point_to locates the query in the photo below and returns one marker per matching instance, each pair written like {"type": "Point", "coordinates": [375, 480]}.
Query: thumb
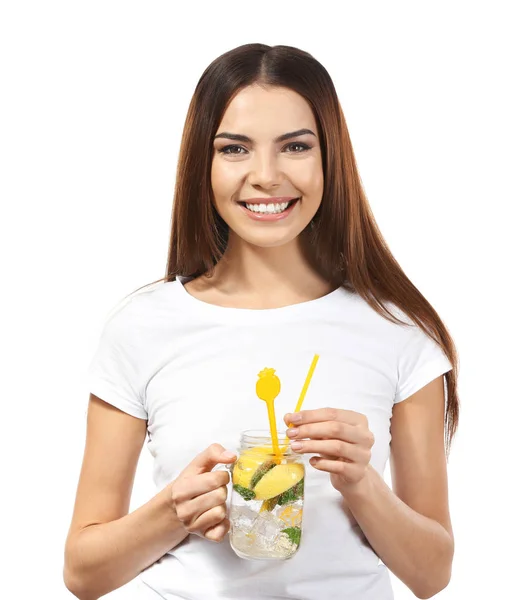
{"type": "Point", "coordinates": [208, 459]}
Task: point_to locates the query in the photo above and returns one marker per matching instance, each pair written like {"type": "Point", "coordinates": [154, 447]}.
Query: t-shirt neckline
{"type": "Point", "coordinates": [255, 314]}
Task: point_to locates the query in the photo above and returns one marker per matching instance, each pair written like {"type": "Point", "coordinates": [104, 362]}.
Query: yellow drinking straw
{"type": "Point", "coordinates": [306, 384]}
{"type": "Point", "coordinates": [268, 388]}
{"type": "Point", "coordinates": [304, 390]}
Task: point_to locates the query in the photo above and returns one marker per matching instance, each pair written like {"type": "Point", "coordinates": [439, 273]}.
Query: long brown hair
{"type": "Point", "coordinates": [348, 246]}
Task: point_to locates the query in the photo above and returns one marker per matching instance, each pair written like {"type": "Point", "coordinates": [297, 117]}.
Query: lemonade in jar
{"type": "Point", "coordinates": [267, 498]}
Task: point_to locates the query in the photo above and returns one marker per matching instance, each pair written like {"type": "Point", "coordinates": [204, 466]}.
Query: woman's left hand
{"type": "Point", "coordinates": [341, 438]}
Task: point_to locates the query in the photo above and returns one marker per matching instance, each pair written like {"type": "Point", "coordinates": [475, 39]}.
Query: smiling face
{"type": "Point", "coordinates": [267, 174]}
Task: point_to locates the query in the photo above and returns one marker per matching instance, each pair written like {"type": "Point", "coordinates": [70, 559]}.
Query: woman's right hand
{"type": "Point", "coordinates": [199, 495]}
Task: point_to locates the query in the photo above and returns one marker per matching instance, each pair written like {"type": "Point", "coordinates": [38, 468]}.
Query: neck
{"type": "Point", "coordinates": [283, 272]}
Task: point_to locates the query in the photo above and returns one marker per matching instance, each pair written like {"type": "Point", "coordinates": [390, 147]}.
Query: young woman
{"type": "Point", "coordinates": [274, 256]}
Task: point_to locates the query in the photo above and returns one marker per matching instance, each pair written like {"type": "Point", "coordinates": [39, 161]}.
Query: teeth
{"type": "Point", "coordinates": [268, 209]}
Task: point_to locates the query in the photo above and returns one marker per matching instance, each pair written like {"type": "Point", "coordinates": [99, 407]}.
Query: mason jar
{"type": "Point", "coordinates": [267, 498]}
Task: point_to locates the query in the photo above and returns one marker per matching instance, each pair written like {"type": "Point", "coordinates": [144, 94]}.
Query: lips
{"type": "Point", "coordinates": [275, 200]}
{"type": "Point", "coordinates": [287, 207]}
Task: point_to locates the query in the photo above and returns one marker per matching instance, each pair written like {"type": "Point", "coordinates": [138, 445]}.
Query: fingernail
{"type": "Point", "coordinates": [296, 445]}
{"type": "Point", "coordinates": [295, 418]}
{"type": "Point", "coordinates": [228, 455]}
{"type": "Point", "coordinates": [292, 432]}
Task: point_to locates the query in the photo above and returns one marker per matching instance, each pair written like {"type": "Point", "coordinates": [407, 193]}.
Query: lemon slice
{"type": "Point", "coordinates": [278, 480]}
{"type": "Point", "coordinates": [291, 516]}
{"type": "Point", "coordinates": [248, 463]}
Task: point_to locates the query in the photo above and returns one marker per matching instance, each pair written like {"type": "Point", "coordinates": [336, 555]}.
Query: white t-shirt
{"type": "Point", "coordinates": [189, 368]}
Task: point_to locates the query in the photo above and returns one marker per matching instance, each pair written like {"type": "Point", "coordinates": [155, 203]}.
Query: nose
{"type": "Point", "coordinates": [264, 172]}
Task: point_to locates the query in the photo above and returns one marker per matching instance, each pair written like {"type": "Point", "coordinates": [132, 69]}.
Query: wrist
{"type": "Point", "coordinates": [361, 490]}
{"type": "Point", "coordinates": [171, 517]}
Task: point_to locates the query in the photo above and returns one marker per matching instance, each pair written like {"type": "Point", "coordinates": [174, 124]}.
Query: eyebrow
{"type": "Point", "coordinates": [244, 138]}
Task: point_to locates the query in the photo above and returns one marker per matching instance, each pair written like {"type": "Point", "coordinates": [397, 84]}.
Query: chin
{"type": "Point", "coordinates": [268, 239]}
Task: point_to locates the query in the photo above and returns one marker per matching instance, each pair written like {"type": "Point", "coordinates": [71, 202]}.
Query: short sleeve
{"type": "Point", "coordinates": [113, 373]}
{"type": "Point", "coordinates": [421, 360]}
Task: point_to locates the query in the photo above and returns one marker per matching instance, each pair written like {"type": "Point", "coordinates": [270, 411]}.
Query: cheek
{"type": "Point", "coordinates": [309, 181]}
{"type": "Point", "coordinates": [318, 183]}
{"type": "Point", "coordinates": [223, 179]}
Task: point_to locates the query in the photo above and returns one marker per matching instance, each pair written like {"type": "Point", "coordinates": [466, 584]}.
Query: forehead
{"type": "Point", "coordinates": [268, 111]}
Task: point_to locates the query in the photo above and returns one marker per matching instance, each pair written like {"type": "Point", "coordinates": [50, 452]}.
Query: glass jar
{"type": "Point", "coordinates": [267, 498]}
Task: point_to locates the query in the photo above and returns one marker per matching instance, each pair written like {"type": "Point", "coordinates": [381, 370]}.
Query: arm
{"type": "Point", "coordinates": [106, 547]}
{"type": "Point", "coordinates": [410, 528]}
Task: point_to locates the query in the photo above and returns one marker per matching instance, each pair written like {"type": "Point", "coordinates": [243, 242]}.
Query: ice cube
{"type": "Point", "coordinates": [266, 528]}
{"type": "Point", "coordinates": [242, 517]}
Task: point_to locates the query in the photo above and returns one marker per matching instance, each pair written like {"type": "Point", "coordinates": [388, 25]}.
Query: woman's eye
{"type": "Point", "coordinates": [227, 149]}
{"type": "Point", "coordinates": [302, 147]}
{"type": "Point", "coordinates": [234, 150]}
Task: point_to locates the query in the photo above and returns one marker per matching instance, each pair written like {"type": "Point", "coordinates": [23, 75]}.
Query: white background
{"type": "Point", "coordinates": [94, 96]}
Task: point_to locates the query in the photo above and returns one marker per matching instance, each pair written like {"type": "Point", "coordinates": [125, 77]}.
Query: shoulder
{"type": "Point", "coordinates": [159, 297]}
{"type": "Point", "coordinates": [142, 312]}
{"type": "Point", "coordinates": [386, 321]}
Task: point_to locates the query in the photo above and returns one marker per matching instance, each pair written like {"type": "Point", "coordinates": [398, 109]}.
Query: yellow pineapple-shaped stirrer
{"type": "Point", "coordinates": [268, 388]}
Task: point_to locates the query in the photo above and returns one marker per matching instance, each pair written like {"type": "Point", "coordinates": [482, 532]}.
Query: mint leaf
{"type": "Point", "coordinates": [244, 492]}
{"type": "Point", "coordinates": [292, 494]}
{"type": "Point", "coordinates": [294, 533]}
{"type": "Point", "coordinates": [286, 497]}
{"type": "Point", "coordinates": [299, 488]}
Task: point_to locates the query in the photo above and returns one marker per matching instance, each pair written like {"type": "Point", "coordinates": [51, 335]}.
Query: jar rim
{"type": "Point", "coordinates": [262, 437]}
{"type": "Point", "coordinates": [259, 434]}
